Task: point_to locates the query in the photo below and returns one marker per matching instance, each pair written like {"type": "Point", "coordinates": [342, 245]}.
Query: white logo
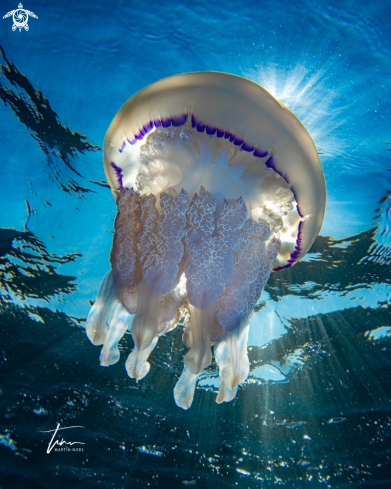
{"type": "Point", "coordinates": [21, 17]}
{"type": "Point", "coordinates": [53, 442]}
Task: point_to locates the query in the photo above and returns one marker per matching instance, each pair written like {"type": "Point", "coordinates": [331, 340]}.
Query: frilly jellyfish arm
{"type": "Point", "coordinates": [253, 265]}
{"type": "Point", "coordinates": [210, 263]}
{"type": "Point", "coordinates": [96, 326]}
{"type": "Point", "coordinates": [107, 321]}
{"type": "Point", "coordinates": [245, 256]}
{"type": "Point", "coordinates": [217, 185]}
{"type": "Point", "coordinates": [231, 357]}
{"type": "Point", "coordinates": [160, 254]}
{"type": "Point", "coordinates": [119, 322]}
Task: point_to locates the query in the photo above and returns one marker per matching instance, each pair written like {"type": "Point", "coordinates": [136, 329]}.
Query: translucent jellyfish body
{"type": "Point", "coordinates": [216, 185]}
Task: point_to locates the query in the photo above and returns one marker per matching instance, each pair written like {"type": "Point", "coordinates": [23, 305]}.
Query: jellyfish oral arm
{"type": "Point", "coordinates": [225, 262]}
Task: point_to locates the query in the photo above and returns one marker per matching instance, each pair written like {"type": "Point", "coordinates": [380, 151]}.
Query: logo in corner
{"type": "Point", "coordinates": [20, 17]}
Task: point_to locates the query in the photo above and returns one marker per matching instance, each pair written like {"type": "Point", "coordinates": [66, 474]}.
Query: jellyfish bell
{"type": "Point", "coordinates": [216, 185]}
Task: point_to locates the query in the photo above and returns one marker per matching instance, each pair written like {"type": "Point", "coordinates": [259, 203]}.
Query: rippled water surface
{"type": "Point", "coordinates": [316, 409]}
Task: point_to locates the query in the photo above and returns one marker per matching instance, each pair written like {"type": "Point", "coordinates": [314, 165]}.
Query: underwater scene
{"type": "Point", "coordinates": [195, 244]}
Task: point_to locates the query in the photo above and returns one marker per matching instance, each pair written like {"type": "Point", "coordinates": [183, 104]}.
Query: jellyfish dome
{"type": "Point", "coordinates": [216, 184]}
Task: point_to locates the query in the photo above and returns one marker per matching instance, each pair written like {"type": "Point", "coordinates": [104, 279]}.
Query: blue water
{"type": "Point", "coordinates": [316, 409]}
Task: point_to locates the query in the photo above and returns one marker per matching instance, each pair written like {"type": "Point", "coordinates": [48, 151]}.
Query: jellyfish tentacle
{"type": "Point", "coordinates": [96, 327]}
{"type": "Point", "coordinates": [136, 364]}
{"type": "Point", "coordinates": [170, 310]}
{"type": "Point", "coordinates": [197, 338]}
{"type": "Point", "coordinates": [145, 321]}
{"type": "Point", "coordinates": [144, 324]}
{"type": "Point", "coordinates": [124, 257]}
{"type": "Point", "coordinates": [253, 265]}
{"type": "Point", "coordinates": [202, 291]}
{"type": "Point", "coordinates": [172, 307]}
{"type": "Point", "coordinates": [162, 251]}
{"type": "Point", "coordinates": [210, 249]}
{"type": "Point", "coordinates": [232, 359]}
{"type": "Point", "coordinates": [184, 389]}
{"type": "Point", "coordinates": [119, 322]}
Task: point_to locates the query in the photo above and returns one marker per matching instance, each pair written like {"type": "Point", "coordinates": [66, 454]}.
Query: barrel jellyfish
{"type": "Point", "coordinates": [216, 184]}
